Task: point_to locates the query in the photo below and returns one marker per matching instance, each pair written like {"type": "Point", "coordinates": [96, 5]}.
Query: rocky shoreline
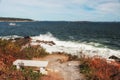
{"type": "Point", "coordinates": [62, 66]}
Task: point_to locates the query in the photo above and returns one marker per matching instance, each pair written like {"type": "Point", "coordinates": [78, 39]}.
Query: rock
{"type": "Point", "coordinates": [27, 37]}
{"type": "Point", "coordinates": [38, 41]}
{"type": "Point", "coordinates": [17, 38]}
{"type": "Point", "coordinates": [115, 58]}
{"type": "Point", "coordinates": [51, 43]}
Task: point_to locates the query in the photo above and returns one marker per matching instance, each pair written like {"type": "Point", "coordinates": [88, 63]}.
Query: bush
{"type": "Point", "coordinates": [30, 75]}
{"type": "Point", "coordinates": [9, 47]}
{"type": "Point", "coordinates": [16, 49]}
{"type": "Point", "coordinates": [33, 51]}
{"type": "Point", "coordinates": [99, 69]}
{"type": "Point", "coordinates": [10, 50]}
{"type": "Point", "coordinates": [10, 73]}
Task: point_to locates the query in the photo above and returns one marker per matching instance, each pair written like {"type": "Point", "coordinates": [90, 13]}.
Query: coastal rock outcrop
{"type": "Point", "coordinates": [51, 43]}
{"type": "Point", "coordinates": [117, 59]}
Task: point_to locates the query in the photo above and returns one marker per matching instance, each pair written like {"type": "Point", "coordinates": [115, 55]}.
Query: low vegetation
{"type": "Point", "coordinates": [94, 68]}
{"type": "Point", "coordinates": [13, 49]}
{"type": "Point", "coordinates": [99, 69]}
{"type": "Point", "coordinates": [29, 74]}
{"type": "Point", "coordinates": [10, 73]}
{"type": "Point", "coordinates": [21, 49]}
{"type": "Point", "coordinates": [70, 56]}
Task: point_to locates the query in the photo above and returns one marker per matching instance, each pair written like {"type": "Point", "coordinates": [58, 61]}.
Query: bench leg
{"type": "Point", "coordinates": [18, 67]}
{"type": "Point", "coordinates": [40, 70]}
{"type": "Point", "coordinates": [43, 71]}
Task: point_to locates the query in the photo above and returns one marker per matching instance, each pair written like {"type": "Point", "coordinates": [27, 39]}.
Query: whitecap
{"type": "Point", "coordinates": [74, 48]}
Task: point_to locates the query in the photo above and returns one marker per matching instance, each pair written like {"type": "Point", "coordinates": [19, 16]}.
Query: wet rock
{"type": "Point", "coordinates": [17, 38]}
{"type": "Point", "coordinates": [27, 37]}
{"type": "Point", "coordinates": [51, 43]}
{"type": "Point", "coordinates": [115, 58]}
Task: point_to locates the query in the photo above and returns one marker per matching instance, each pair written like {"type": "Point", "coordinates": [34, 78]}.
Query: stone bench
{"type": "Point", "coordinates": [33, 63]}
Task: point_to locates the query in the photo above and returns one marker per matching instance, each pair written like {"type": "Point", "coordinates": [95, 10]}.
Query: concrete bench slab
{"type": "Point", "coordinates": [33, 63]}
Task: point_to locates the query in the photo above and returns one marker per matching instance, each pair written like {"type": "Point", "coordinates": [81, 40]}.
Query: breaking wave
{"type": "Point", "coordinates": [73, 47]}
{"type": "Point", "coordinates": [10, 37]}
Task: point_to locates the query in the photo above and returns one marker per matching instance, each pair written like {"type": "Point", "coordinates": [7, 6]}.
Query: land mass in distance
{"type": "Point", "coordinates": [9, 19]}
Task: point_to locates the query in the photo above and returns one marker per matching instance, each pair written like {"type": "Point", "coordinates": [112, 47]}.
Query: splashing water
{"type": "Point", "coordinates": [73, 48]}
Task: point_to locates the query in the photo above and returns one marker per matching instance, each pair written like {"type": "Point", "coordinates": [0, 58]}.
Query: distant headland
{"type": "Point", "coordinates": [9, 19]}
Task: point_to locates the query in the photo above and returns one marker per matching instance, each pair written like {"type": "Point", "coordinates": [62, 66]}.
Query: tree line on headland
{"type": "Point", "coordinates": [8, 19]}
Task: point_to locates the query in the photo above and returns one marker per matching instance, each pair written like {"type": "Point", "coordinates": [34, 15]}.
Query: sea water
{"type": "Point", "coordinates": [90, 38]}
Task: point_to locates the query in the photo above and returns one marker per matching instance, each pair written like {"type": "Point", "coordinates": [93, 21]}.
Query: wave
{"type": "Point", "coordinates": [10, 37]}
{"type": "Point", "coordinates": [70, 47]}
{"type": "Point", "coordinates": [73, 47]}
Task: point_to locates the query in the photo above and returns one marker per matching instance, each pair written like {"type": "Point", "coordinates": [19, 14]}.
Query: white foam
{"type": "Point", "coordinates": [74, 48]}
{"type": "Point", "coordinates": [10, 37]}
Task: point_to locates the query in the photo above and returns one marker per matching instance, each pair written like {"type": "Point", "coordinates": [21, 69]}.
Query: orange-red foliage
{"type": "Point", "coordinates": [11, 50]}
{"type": "Point", "coordinates": [102, 70]}
{"type": "Point", "coordinates": [6, 59]}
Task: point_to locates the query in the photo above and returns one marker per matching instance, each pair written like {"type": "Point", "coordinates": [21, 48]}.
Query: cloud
{"type": "Point", "coordinates": [38, 3]}
{"type": "Point", "coordinates": [109, 7]}
{"type": "Point", "coordinates": [103, 7]}
{"type": "Point", "coordinates": [62, 9]}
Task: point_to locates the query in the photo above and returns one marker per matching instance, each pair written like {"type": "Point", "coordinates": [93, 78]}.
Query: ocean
{"type": "Point", "coordinates": [68, 36]}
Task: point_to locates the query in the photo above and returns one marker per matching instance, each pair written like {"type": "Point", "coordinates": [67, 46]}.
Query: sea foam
{"type": "Point", "coordinates": [10, 37]}
{"type": "Point", "coordinates": [73, 48]}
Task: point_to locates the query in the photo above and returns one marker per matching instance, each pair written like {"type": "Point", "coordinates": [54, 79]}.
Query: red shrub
{"type": "Point", "coordinates": [104, 70]}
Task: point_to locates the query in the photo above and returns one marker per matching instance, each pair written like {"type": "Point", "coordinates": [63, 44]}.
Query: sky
{"type": "Point", "coordinates": [62, 10]}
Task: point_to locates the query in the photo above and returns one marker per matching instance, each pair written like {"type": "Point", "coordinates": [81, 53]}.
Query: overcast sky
{"type": "Point", "coordinates": [57, 10]}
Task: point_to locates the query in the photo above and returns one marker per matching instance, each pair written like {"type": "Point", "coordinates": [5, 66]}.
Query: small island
{"type": "Point", "coordinates": [9, 19]}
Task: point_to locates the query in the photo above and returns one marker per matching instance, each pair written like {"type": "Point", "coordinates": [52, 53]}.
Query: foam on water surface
{"type": "Point", "coordinates": [10, 37]}
{"type": "Point", "coordinates": [73, 48]}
